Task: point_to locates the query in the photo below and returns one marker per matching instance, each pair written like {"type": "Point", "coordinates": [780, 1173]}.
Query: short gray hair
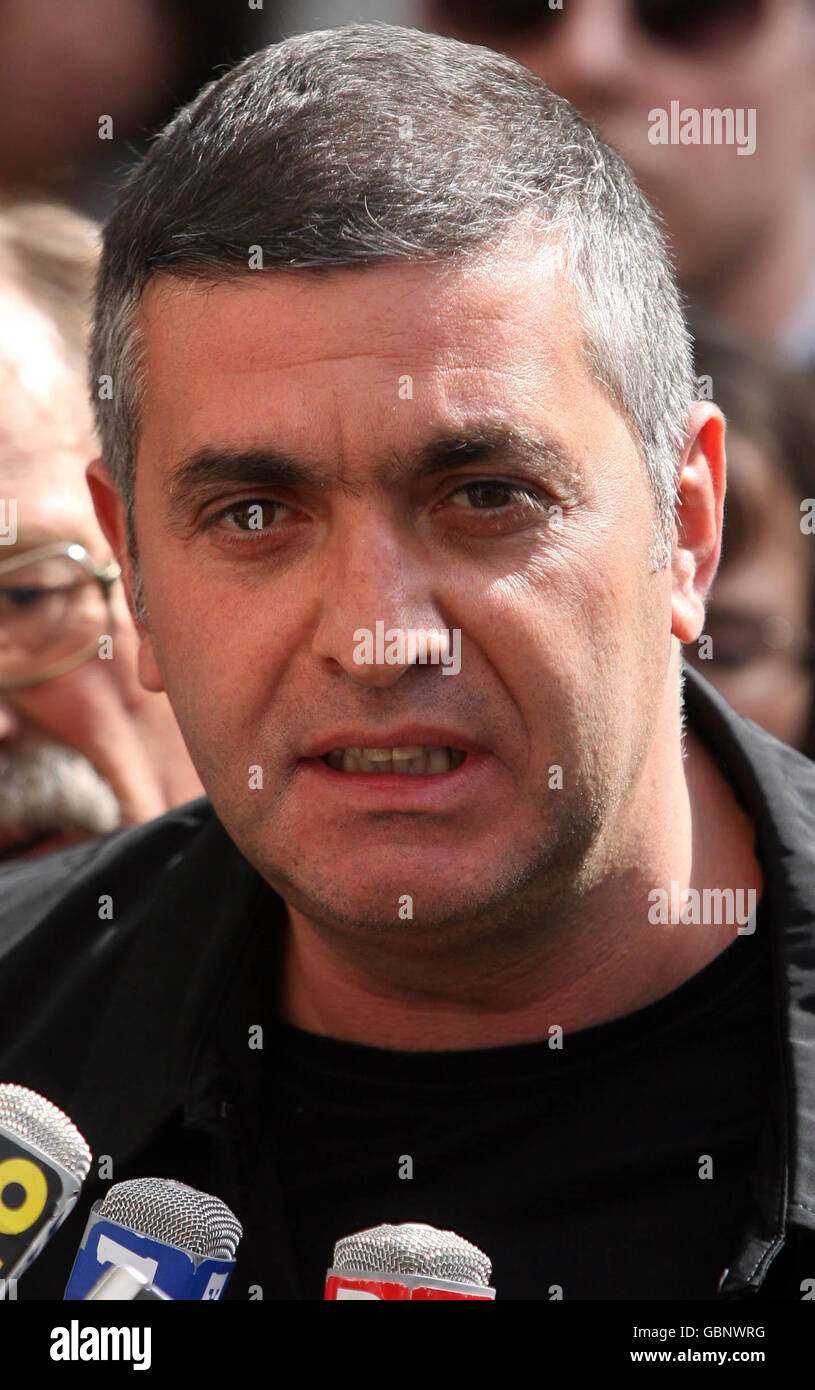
{"type": "Point", "coordinates": [371, 143]}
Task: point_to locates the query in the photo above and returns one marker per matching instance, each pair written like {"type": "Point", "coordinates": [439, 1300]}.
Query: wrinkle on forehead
{"type": "Point", "coordinates": [479, 287]}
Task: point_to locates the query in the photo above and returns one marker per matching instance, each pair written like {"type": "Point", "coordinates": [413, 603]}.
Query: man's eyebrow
{"type": "Point", "coordinates": [483, 443]}
{"type": "Point", "coordinates": [263, 466]}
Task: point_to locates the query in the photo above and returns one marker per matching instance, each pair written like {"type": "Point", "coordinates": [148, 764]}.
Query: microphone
{"type": "Point", "coordinates": [411, 1261]}
{"type": "Point", "coordinates": [44, 1161]}
{"type": "Point", "coordinates": [181, 1240]}
{"type": "Point", "coordinates": [123, 1285]}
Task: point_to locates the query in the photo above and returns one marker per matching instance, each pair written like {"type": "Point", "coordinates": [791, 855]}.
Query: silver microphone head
{"type": "Point", "coordinates": [413, 1248]}
{"type": "Point", "coordinates": [176, 1214]}
{"type": "Point", "coordinates": [38, 1122]}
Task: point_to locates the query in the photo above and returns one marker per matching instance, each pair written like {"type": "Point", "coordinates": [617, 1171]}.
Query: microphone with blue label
{"type": "Point", "coordinates": [181, 1241]}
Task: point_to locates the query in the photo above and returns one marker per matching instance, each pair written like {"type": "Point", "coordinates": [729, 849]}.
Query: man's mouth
{"type": "Point", "coordinates": [417, 760]}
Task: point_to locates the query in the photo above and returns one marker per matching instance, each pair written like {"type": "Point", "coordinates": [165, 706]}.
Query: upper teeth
{"type": "Point", "coordinates": [406, 758]}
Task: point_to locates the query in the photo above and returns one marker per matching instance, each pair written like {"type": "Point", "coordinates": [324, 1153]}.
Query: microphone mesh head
{"type": "Point", "coordinates": [414, 1248]}
{"type": "Point", "coordinates": [44, 1126]}
{"type": "Point", "coordinates": [175, 1213]}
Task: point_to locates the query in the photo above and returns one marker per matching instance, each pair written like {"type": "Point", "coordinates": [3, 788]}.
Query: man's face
{"type": "Point", "coordinates": [565, 632]}
{"type": "Point", "coordinates": [751, 54]}
{"type": "Point", "coordinates": [75, 750]}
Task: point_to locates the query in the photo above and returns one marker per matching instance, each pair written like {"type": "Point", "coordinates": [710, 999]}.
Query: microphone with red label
{"type": "Point", "coordinates": [410, 1261]}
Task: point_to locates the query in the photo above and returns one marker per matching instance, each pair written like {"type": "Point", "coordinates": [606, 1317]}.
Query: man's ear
{"type": "Point", "coordinates": [110, 513]}
{"type": "Point", "coordinates": [699, 511]}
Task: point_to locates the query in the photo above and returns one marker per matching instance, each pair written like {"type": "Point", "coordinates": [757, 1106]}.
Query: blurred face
{"type": "Point", "coordinates": [420, 447]}
{"type": "Point", "coordinates": [759, 611]}
{"type": "Point", "coordinates": [123, 57]}
{"type": "Point", "coordinates": [713, 54]}
{"type": "Point", "coordinates": [78, 753]}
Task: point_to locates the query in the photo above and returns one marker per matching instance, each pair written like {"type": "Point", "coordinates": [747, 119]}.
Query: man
{"type": "Point", "coordinates": [397, 352]}
{"type": "Point", "coordinates": [83, 747]}
{"type": "Point", "coordinates": [745, 254]}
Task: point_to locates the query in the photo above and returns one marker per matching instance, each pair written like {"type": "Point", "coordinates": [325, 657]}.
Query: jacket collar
{"type": "Point", "coordinates": [777, 787]}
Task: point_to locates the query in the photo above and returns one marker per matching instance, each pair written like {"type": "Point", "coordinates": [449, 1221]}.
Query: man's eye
{"type": "Point", "coordinates": [255, 514]}
{"type": "Point", "coordinates": [22, 598]}
{"type": "Point", "coordinates": [491, 495]}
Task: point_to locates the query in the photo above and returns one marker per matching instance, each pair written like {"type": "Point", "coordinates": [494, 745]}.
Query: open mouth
{"type": "Point", "coordinates": [416, 760]}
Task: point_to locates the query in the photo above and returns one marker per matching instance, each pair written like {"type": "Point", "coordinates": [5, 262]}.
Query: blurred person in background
{"type": "Point", "coordinates": [66, 67]}
{"type": "Point", "coordinates": [83, 747]}
{"type": "Point", "coordinates": [742, 227]}
{"type": "Point", "coordinates": [761, 613]}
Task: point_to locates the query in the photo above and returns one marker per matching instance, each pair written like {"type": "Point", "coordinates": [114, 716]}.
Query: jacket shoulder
{"type": "Point", "coordinates": [61, 894]}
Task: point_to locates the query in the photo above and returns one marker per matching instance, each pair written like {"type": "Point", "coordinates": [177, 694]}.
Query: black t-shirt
{"type": "Point", "coordinates": [618, 1166]}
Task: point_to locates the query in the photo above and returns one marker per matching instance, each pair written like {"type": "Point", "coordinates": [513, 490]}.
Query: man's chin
{"type": "Point", "coordinates": [34, 844]}
{"type": "Point", "coordinates": [398, 910]}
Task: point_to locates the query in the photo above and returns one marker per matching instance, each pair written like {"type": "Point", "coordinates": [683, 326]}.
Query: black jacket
{"type": "Point", "coordinates": [138, 1026]}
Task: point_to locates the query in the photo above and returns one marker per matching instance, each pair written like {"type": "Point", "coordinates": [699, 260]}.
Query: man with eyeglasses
{"type": "Point", "coordinates": [742, 228]}
{"type": "Point", "coordinates": [83, 748]}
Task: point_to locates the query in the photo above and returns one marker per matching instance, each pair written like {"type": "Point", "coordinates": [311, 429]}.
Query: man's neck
{"type": "Point", "coordinates": [595, 960]}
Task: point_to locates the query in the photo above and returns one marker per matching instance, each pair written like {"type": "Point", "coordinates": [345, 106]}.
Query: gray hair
{"type": "Point", "coordinates": [371, 143]}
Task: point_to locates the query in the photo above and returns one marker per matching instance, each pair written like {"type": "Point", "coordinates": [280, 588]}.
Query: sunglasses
{"type": "Point", "coordinates": [681, 24]}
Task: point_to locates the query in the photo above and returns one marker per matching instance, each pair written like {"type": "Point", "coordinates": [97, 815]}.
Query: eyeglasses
{"type": "Point", "coordinates": [681, 24]}
{"type": "Point", "coordinates": [55, 603]}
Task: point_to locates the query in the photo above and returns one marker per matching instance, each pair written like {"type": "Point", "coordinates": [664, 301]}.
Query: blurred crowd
{"type": "Point", "coordinates": [83, 748]}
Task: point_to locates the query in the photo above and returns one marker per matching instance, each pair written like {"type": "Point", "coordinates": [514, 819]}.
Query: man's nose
{"type": "Point", "coordinates": [375, 587]}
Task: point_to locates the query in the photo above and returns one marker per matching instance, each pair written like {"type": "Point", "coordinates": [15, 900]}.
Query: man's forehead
{"type": "Point", "coordinates": [44, 442]}
{"type": "Point", "coordinates": [479, 305]}
{"type": "Point", "coordinates": [45, 414]}
{"type": "Point", "coordinates": [45, 447]}
{"type": "Point", "coordinates": [33, 355]}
